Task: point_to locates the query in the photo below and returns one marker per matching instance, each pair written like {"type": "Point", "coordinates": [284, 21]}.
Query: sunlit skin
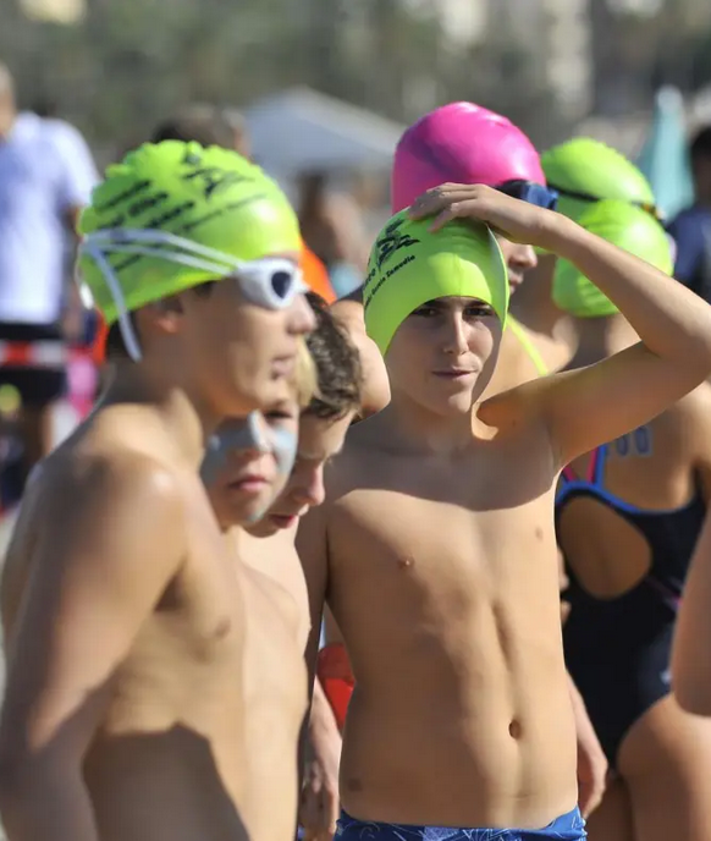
{"type": "Point", "coordinates": [276, 598]}
{"type": "Point", "coordinates": [120, 736]}
{"type": "Point", "coordinates": [444, 354]}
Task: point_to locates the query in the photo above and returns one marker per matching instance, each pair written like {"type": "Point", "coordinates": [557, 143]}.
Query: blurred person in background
{"type": "Point", "coordinates": [208, 125]}
{"type": "Point", "coordinates": [691, 229]}
{"type": "Point", "coordinates": [332, 227]}
{"type": "Point", "coordinates": [627, 517]}
{"type": "Point", "coordinates": [46, 177]}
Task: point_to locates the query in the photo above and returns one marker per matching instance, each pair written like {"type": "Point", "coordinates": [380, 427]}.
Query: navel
{"type": "Point", "coordinates": [515, 729]}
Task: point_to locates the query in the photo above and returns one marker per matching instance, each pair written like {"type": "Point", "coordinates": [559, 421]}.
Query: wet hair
{"type": "Point", "coordinates": [205, 124]}
{"type": "Point", "coordinates": [115, 346]}
{"type": "Point", "coordinates": [337, 366]}
{"type": "Point", "coordinates": [701, 145]}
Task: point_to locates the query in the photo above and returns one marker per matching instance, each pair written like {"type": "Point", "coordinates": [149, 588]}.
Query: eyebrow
{"type": "Point", "coordinates": [439, 303]}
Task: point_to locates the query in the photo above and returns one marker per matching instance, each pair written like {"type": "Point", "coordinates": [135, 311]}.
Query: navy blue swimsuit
{"type": "Point", "coordinates": [618, 650]}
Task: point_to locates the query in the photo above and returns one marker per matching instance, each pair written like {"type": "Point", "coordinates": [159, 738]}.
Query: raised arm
{"type": "Point", "coordinates": [97, 571]}
{"type": "Point", "coordinates": [590, 406]}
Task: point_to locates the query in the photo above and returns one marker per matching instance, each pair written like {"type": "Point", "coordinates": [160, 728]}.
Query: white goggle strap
{"type": "Point", "coordinates": [218, 269]}
{"type": "Point", "coordinates": [127, 332]}
{"type": "Point", "coordinates": [114, 237]}
{"type": "Point", "coordinates": [125, 241]}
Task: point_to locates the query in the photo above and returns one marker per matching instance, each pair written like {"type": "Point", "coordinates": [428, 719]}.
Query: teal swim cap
{"type": "Point", "coordinates": [625, 226]}
{"type": "Point", "coordinates": [174, 215]}
{"type": "Point", "coordinates": [409, 265]}
{"type": "Point", "coordinates": [584, 170]}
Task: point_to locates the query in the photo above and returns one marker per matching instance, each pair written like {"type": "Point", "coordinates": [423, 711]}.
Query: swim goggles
{"type": "Point", "coordinates": [531, 192]}
{"type": "Point", "coordinates": [271, 282]}
{"type": "Point", "coordinates": [648, 207]}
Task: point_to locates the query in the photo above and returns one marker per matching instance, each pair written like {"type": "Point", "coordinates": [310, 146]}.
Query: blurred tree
{"type": "Point", "coordinates": [129, 62]}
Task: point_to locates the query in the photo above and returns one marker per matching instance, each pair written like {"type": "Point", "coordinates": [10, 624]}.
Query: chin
{"type": "Point", "coordinates": [261, 528]}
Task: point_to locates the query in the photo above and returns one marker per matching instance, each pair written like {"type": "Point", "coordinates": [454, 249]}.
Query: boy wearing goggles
{"type": "Point", "coordinates": [124, 706]}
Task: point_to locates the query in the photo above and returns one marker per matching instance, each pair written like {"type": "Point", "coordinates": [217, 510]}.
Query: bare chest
{"type": "Point", "coordinates": [275, 671]}
{"type": "Point", "coordinates": [436, 543]}
{"type": "Point", "coordinates": [187, 660]}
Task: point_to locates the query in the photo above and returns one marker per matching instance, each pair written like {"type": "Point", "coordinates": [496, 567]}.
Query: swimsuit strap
{"type": "Point", "coordinates": [527, 343]}
{"type": "Point", "coordinates": [595, 471]}
{"type": "Point", "coordinates": [597, 467]}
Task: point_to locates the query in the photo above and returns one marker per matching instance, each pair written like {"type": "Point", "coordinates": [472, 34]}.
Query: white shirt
{"type": "Point", "coordinates": [46, 169]}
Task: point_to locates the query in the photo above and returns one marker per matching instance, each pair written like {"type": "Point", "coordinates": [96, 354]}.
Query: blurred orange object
{"type": "Point", "coordinates": [316, 276]}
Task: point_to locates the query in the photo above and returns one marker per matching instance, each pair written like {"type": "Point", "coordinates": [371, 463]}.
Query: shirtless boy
{"type": "Point", "coordinates": [435, 548]}
{"type": "Point", "coordinates": [466, 143]}
{"type": "Point", "coordinates": [251, 474]}
{"type": "Point", "coordinates": [123, 717]}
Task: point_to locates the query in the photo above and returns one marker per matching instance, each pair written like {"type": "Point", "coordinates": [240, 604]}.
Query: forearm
{"type": "Point", "coordinates": [671, 321]}
{"type": "Point", "coordinates": [322, 722]}
{"type": "Point", "coordinates": [52, 805]}
{"type": "Point", "coordinates": [583, 724]}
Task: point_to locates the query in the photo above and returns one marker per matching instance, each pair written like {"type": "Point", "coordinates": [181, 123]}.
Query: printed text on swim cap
{"type": "Point", "coordinates": [390, 241]}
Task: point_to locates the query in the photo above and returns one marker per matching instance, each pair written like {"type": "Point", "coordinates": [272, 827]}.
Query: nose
{"type": "Point", "coordinates": [302, 318]}
{"type": "Point", "coordinates": [456, 334]}
{"type": "Point", "coordinates": [522, 258]}
{"type": "Point", "coordinates": [308, 488]}
{"type": "Point", "coordinates": [246, 438]}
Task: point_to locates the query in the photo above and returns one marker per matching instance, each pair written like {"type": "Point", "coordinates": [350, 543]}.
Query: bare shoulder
{"type": "Point", "coordinates": [107, 472]}
{"type": "Point", "coordinates": [102, 497]}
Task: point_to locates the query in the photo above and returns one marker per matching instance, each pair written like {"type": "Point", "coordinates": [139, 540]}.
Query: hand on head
{"type": "Point", "coordinates": [517, 220]}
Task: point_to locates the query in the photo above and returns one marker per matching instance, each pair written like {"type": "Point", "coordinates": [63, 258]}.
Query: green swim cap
{"type": "Point", "coordinates": [409, 265]}
{"type": "Point", "coordinates": [173, 215]}
{"type": "Point", "coordinates": [593, 169]}
{"type": "Point", "coordinates": [624, 225]}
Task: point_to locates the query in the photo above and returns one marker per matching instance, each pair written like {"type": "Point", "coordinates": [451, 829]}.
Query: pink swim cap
{"type": "Point", "coordinates": [461, 143]}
